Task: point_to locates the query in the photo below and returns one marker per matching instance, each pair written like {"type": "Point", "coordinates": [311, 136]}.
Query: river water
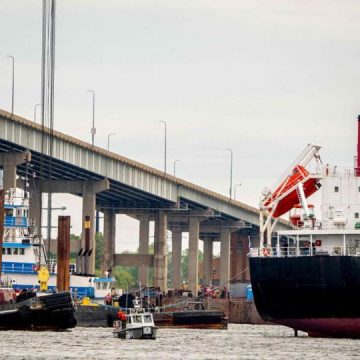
{"type": "Point", "coordinates": [238, 342]}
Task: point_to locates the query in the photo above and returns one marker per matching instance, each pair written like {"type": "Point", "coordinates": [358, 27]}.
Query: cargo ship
{"type": "Point", "coordinates": [308, 277]}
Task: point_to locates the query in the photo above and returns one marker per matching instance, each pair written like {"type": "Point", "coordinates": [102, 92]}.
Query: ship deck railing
{"type": "Point", "coordinates": [16, 221]}
{"type": "Point", "coordinates": [296, 251]}
{"type": "Point", "coordinates": [18, 268]}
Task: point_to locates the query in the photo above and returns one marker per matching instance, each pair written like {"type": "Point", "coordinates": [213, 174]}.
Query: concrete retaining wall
{"type": "Point", "coordinates": [239, 311]}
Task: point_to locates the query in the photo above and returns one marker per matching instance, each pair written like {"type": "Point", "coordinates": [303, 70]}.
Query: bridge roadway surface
{"type": "Point", "coordinates": [133, 185]}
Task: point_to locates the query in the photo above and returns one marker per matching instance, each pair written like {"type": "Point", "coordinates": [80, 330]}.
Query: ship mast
{"type": "Point", "coordinates": [357, 158]}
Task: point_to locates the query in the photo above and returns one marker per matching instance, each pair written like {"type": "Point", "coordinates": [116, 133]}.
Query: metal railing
{"type": "Point", "coordinates": [17, 221]}
{"type": "Point", "coordinates": [18, 268]}
{"type": "Point", "coordinates": [293, 251]}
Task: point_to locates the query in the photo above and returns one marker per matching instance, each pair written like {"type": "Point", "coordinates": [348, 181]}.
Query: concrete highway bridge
{"type": "Point", "coordinates": [113, 184]}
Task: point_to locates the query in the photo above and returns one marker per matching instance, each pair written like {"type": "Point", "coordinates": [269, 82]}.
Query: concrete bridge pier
{"type": "Point", "coordinates": [35, 206]}
{"type": "Point", "coordinates": [193, 254]}
{"type": "Point", "coordinates": [89, 191]}
{"type": "Point", "coordinates": [9, 162]}
{"type": "Point", "coordinates": [107, 261]}
{"type": "Point", "coordinates": [208, 257]}
{"type": "Point", "coordinates": [176, 256]}
{"type": "Point", "coordinates": [224, 256]}
{"type": "Point", "coordinates": [144, 247]}
{"type": "Point", "coordinates": [160, 251]}
{"type": "Point", "coordinates": [227, 227]}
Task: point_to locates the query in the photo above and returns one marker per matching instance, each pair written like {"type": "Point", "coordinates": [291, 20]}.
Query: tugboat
{"type": "Point", "coordinates": [23, 249]}
{"type": "Point", "coordinates": [137, 324]}
{"type": "Point", "coordinates": [308, 278]}
{"type": "Point", "coordinates": [30, 309]}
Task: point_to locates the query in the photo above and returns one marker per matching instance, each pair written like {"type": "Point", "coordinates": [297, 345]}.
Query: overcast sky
{"type": "Point", "coordinates": [263, 78]}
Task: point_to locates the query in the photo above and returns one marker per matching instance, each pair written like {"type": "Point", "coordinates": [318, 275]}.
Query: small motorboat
{"type": "Point", "coordinates": [137, 324]}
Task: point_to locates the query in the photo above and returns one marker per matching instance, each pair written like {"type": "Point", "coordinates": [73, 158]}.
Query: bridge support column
{"type": "Point", "coordinates": [144, 247]}
{"type": "Point", "coordinates": [88, 209]}
{"type": "Point", "coordinates": [225, 256]}
{"type": "Point", "coordinates": [35, 207]}
{"type": "Point", "coordinates": [193, 255]}
{"type": "Point", "coordinates": [160, 253]}
{"type": "Point", "coordinates": [109, 241]}
{"type": "Point", "coordinates": [176, 257]}
{"type": "Point", "coordinates": [208, 256]}
{"type": "Point", "coordinates": [9, 161]}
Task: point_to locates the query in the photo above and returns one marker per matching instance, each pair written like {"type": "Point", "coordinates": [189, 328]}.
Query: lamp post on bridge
{"type": "Point", "coordinates": [175, 165]}
{"type": "Point", "coordinates": [164, 122]}
{"type": "Point", "coordinates": [108, 144]}
{"type": "Point", "coordinates": [35, 111]}
{"type": "Point", "coordinates": [13, 83]}
{"type": "Point", "coordinates": [231, 171]}
{"type": "Point", "coordinates": [235, 186]}
{"type": "Point", "coordinates": [93, 129]}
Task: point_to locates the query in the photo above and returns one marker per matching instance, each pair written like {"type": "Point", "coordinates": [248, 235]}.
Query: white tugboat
{"type": "Point", "coordinates": [137, 324]}
{"type": "Point", "coordinates": [23, 250]}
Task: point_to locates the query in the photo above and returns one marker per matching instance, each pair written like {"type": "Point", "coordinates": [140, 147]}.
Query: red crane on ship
{"type": "Point", "coordinates": [298, 183]}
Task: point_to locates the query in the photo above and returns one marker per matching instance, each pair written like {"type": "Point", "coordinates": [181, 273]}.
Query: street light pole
{"type": "Point", "coordinates": [175, 166]}
{"type": "Point", "coordinates": [13, 83]}
{"type": "Point", "coordinates": [35, 111]}
{"type": "Point", "coordinates": [164, 122]}
{"type": "Point", "coordinates": [93, 129]}
{"type": "Point", "coordinates": [231, 170]}
{"type": "Point", "coordinates": [109, 140]}
{"type": "Point", "coordinates": [235, 186]}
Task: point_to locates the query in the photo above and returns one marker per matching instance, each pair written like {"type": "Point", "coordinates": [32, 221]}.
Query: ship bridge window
{"type": "Point", "coordinates": [147, 319]}
{"type": "Point", "coordinates": [356, 215]}
{"type": "Point", "coordinates": [336, 189]}
{"type": "Point", "coordinates": [18, 212]}
{"type": "Point", "coordinates": [3, 251]}
{"type": "Point", "coordinates": [338, 213]}
{"type": "Point", "coordinates": [15, 251]}
{"type": "Point", "coordinates": [8, 251]}
{"type": "Point", "coordinates": [22, 251]}
{"type": "Point", "coordinates": [137, 319]}
{"type": "Point", "coordinates": [8, 212]}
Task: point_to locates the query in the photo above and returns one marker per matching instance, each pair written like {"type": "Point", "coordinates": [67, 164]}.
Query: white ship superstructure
{"type": "Point", "coordinates": [23, 252]}
{"type": "Point", "coordinates": [340, 193]}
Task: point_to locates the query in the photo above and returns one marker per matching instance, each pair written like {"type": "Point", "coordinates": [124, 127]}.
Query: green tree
{"type": "Point", "coordinates": [124, 279]}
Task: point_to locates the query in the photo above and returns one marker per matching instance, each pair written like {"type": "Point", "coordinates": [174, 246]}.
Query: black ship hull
{"type": "Point", "coordinates": [318, 294]}
{"type": "Point", "coordinates": [47, 312]}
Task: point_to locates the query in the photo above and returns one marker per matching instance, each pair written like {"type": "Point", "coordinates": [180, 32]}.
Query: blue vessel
{"type": "Point", "coordinates": [24, 253]}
